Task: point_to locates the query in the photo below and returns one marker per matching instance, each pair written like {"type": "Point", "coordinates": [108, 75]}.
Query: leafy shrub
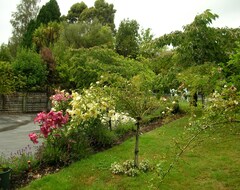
{"type": "Point", "coordinates": [7, 79]}
{"type": "Point", "coordinates": [29, 65]}
{"type": "Point", "coordinates": [99, 135]}
{"type": "Point", "coordinates": [124, 128]}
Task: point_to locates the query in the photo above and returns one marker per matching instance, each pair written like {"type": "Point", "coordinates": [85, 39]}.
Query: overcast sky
{"type": "Point", "coordinates": [162, 16]}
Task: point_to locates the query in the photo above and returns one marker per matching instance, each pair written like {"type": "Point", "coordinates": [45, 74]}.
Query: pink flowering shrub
{"type": "Point", "coordinates": [33, 137]}
{"type": "Point", "coordinates": [48, 122]}
{"type": "Point", "coordinates": [61, 145]}
{"type": "Point", "coordinates": [61, 100]}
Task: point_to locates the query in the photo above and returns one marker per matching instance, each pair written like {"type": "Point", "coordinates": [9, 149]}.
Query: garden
{"type": "Point", "coordinates": [127, 110]}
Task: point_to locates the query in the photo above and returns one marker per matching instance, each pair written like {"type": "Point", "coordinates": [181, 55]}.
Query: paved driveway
{"type": "Point", "coordinates": [14, 130]}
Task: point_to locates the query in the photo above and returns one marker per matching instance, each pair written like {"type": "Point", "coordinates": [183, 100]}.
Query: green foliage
{"type": "Point", "coordinates": [88, 15]}
{"type": "Point", "coordinates": [21, 161]}
{"type": "Point", "coordinates": [7, 79]}
{"type": "Point", "coordinates": [5, 54]}
{"type": "Point", "coordinates": [202, 78]}
{"type": "Point", "coordinates": [84, 66]}
{"type": "Point", "coordinates": [105, 13]}
{"type": "Point", "coordinates": [127, 38]}
{"type": "Point", "coordinates": [232, 68]}
{"type": "Point", "coordinates": [101, 11]}
{"type": "Point", "coordinates": [26, 11]}
{"type": "Point", "coordinates": [28, 35]}
{"type": "Point", "coordinates": [222, 108]}
{"type": "Point", "coordinates": [135, 98]}
{"type": "Point", "coordinates": [63, 150]}
{"type": "Point", "coordinates": [75, 11]}
{"type": "Point", "coordinates": [99, 136]}
{"type": "Point", "coordinates": [200, 43]}
{"type": "Point", "coordinates": [86, 35]}
{"type": "Point", "coordinates": [49, 12]}
{"type": "Point", "coordinates": [123, 129]}
{"type": "Point", "coordinates": [147, 45]}
{"type": "Point", "coordinates": [166, 70]}
{"type": "Point", "coordinates": [30, 66]}
{"type": "Point", "coordinates": [46, 35]}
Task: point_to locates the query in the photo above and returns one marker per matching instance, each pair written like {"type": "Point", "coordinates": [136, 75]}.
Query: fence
{"type": "Point", "coordinates": [24, 102]}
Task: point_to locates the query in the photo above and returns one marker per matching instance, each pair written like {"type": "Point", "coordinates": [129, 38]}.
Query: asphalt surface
{"type": "Point", "coordinates": [14, 130]}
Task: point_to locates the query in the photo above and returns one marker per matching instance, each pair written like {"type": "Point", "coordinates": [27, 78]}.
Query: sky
{"type": "Point", "coordinates": [161, 16]}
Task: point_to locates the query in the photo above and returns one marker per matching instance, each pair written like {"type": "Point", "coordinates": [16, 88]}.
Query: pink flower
{"type": "Point", "coordinates": [48, 122]}
{"type": "Point", "coordinates": [41, 117]}
{"type": "Point", "coordinates": [33, 137]}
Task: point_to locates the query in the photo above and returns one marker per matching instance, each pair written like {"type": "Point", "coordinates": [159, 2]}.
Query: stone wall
{"type": "Point", "coordinates": [24, 102]}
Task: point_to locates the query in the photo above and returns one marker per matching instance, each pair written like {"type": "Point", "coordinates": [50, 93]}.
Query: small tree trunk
{"type": "Point", "coordinates": [110, 124]}
{"type": "Point", "coordinates": [136, 151]}
{"type": "Point", "coordinates": [203, 100]}
{"type": "Point", "coordinates": [194, 99]}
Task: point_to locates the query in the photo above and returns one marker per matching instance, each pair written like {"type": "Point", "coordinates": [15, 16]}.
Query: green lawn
{"type": "Point", "coordinates": [213, 163]}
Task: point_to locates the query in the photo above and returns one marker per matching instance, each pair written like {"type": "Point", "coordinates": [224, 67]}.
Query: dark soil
{"type": "Point", "coordinates": [24, 178]}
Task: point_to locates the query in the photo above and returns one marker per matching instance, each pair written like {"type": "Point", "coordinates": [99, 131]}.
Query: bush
{"type": "Point", "coordinates": [99, 135]}
{"type": "Point", "coordinates": [124, 128]}
{"type": "Point", "coordinates": [29, 65]}
{"type": "Point", "coordinates": [7, 80]}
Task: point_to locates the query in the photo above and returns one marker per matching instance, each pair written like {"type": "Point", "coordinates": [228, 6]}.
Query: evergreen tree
{"type": "Point", "coordinates": [49, 12]}
{"type": "Point", "coordinates": [75, 11]}
{"type": "Point", "coordinates": [127, 38]}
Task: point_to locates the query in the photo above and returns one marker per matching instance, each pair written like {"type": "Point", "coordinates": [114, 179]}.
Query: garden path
{"type": "Point", "coordinates": [14, 130]}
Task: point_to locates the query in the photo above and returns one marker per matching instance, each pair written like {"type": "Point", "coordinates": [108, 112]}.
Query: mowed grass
{"type": "Point", "coordinates": [212, 162]}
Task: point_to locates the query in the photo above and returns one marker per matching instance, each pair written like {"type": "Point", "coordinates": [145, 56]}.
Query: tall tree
{"type": "Point", "coordinates": [28, 35]}
{"type": "Point", "coordinates": [49, 12]}
{"type": "Point", "coordinates": [199, 45]}
{"type": "Point", "coordinates": [101, 10]}
{"type": "Point", "coordinates": [75, 12]}
{"type": "Point", "coordinates": [26, 11]}
{"type": "Point", "coordinates": [86, 35]}
{"type": "Point", "coordinates": [127, 38]}
{"type": "Point", "coordinates": [88, 15]}
{"type": "Point", "coordinates": [105, 13]}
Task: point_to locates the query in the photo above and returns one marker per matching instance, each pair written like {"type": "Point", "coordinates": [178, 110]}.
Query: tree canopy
{"type": "Point", "coordinates": [127, 38]}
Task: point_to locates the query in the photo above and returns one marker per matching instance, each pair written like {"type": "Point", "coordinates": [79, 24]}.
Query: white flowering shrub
{"type": "Point", "coordinates": [223, 106]}
{"type": "Point", "coordinates": [95, 103]}
{"type": "Point", "coordinates": [128, 168]}
{"type": "Point", "coordinates": [117, 118]}
{"type": "Point", "coordinates": [171, 105]}
{"type": "Point", "coordinates": [93, 111]}
{"type": "Point", "coordinates": [116, 168]}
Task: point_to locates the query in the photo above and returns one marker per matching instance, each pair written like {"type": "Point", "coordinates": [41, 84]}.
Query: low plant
{"type": "Point", "coordinates": [128, 168]}
{"type": "Point", "coordinates": [123, 129]}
